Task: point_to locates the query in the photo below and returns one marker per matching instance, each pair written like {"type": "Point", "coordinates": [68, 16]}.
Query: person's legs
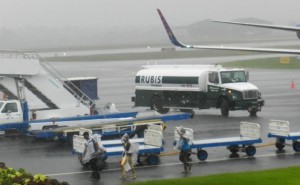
{"type": "Point", "coordinates": [123, 163]}
{"type": "Point", "coordinates": [93, 165]}
{"type": "Point", "coordinates": [130, 161]}
{"type": "Point", "coordinates": [184, 156]}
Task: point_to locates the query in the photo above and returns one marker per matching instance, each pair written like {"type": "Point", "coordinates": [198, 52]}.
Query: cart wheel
{"type": "Point", "coordinates": [279, 146]}
{"type": "Point", "coordinates": [296, 146]}
{"type": "Point", "coordinates": [250, 150]}
{"type": "Point", "coordinates": [234, 149]}
{"type": "Point", "coordinates": [280, 143]}
{"type": "Point", "coordinates": [152, 159]}
{"type": "Point", "coordinates": [202, 155]}
{"type": "Point", "coordinates": [139, 162]}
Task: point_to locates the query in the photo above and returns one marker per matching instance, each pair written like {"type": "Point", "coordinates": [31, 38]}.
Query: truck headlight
{"type": "Point", "coordinates": [259, 95]}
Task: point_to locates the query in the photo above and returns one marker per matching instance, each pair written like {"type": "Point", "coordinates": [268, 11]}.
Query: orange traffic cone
{"type": "Point", "coordinates": [292, 85]}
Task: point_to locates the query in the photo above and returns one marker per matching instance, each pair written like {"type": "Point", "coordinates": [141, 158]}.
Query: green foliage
{"type": "Point", "coordinates": [284, 176]}
{"type": "Point", "coordinates": [9, 176]}
{"type": "Point", "coordinates": [265, 63]}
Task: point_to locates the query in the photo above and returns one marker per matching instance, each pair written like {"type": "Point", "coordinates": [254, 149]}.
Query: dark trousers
{"type": "Point", "coordinates": [184, 155]}
{"type": "Point", "coordinates": [93, 166]}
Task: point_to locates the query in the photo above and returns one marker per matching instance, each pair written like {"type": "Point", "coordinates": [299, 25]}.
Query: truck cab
{"type": "Point", "coordinates": [229, 89]}
{"type": "Point", "coordinates": [10, 111]}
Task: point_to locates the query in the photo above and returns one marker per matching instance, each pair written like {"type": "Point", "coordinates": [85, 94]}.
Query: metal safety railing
{"type": "Point", "coordinates": [77, 93]}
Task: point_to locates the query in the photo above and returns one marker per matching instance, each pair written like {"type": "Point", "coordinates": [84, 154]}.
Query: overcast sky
{"type": "Point", "coordinates": [120, 13]}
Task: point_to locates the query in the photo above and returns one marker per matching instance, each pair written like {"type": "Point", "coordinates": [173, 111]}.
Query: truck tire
{"type": "Point", "coordinates": [253, 114]}
{"type": "Point", "coordinates": [157, 105]}
{"type": "Point", "coordinates": [224, 108]}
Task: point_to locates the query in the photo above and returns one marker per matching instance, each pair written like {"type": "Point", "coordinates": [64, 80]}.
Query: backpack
{"type": "Point", "coordinates": [184, 144]}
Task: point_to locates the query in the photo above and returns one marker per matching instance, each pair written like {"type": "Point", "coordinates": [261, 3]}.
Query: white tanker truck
{"type": "Point", "coordinates": [188, 87]}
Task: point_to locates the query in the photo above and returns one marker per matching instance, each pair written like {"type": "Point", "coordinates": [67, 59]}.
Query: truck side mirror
{"type": "Point", "coordinates": [8, 112]}
{"type": "Point", "coordinates": [247, 75]}
{"type": "Point", "coordinates": [213, 78]}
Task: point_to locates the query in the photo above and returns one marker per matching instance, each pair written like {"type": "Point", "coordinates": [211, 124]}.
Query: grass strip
{"type": "Point", "coordinates": [282, 176]}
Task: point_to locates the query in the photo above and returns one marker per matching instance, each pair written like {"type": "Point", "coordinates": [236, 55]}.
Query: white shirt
{"type": "Point", "coordinates": [90, 147]}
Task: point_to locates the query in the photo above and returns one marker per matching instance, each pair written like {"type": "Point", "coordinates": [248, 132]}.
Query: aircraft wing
{"type": "Point", "coordinates": [176, 42]}
{"type": "Point", "coordinates": [286, 28]}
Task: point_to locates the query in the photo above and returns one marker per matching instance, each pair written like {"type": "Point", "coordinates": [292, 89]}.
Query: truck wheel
{"type": "Point", "coordinates": [157, 105]}
{"type": "Point", "coordinates": [250, 150]}
{"type": "Point", "coordinates": [296, 146]}
{"type": "Point", "coordinates": [202, 155]}
{"type": "Point", "coordinates": [253, 114]}
{"type": "Point", "coordinates": [225, 108]}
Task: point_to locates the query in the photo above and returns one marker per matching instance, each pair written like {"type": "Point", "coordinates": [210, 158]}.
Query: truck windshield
{"type": "Point", "coordinates": [233, 77]}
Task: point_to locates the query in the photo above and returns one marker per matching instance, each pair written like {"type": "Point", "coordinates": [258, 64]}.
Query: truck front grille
{"type": "Point", "coordinates": [251, 94]}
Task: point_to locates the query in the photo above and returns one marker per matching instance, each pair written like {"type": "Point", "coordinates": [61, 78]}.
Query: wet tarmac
{"type": "Point", "coordinates": [116, 84]}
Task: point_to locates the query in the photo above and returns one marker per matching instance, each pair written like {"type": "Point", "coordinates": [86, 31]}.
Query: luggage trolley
{"type": "Point", "coordinates": [280, 130]}
{"type": "Point", "coordinates": [149, 147]}
{"type": "Point", "coordinates": [249, 135]}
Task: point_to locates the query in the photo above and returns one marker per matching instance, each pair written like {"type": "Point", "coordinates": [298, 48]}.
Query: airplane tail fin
{"type": "Point", "coordinates": [172, 37]}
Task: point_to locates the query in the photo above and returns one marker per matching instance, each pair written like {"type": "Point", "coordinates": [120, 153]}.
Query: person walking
{"type": "Point", "coordinates": [127, 157]}
{"type": "Point", "coordinates": [91, 148]}
{"type": "Point", "coordinates": [184, 148]}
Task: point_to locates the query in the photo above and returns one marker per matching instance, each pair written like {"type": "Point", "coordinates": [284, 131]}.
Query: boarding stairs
{"type": "Point", "coordinates": [38, 93]}
{"type": "Point", "coordinates": [51, 71]}
{"type": "Point", "coordinates": [77, 93]}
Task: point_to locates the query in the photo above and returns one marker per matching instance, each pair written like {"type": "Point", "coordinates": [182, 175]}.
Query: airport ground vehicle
{"type": "Point", "coordinates": [111, 128]}
{"type": "Point", "coordinates": [249, 135]}
{"type": "Point", "coordinates": [188, 87]}
{"type": "Point", "coordinates": [280, 130]}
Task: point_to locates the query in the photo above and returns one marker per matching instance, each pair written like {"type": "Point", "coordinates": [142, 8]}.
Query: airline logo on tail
{"type": "Point", "coordinates": [169, 31]}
